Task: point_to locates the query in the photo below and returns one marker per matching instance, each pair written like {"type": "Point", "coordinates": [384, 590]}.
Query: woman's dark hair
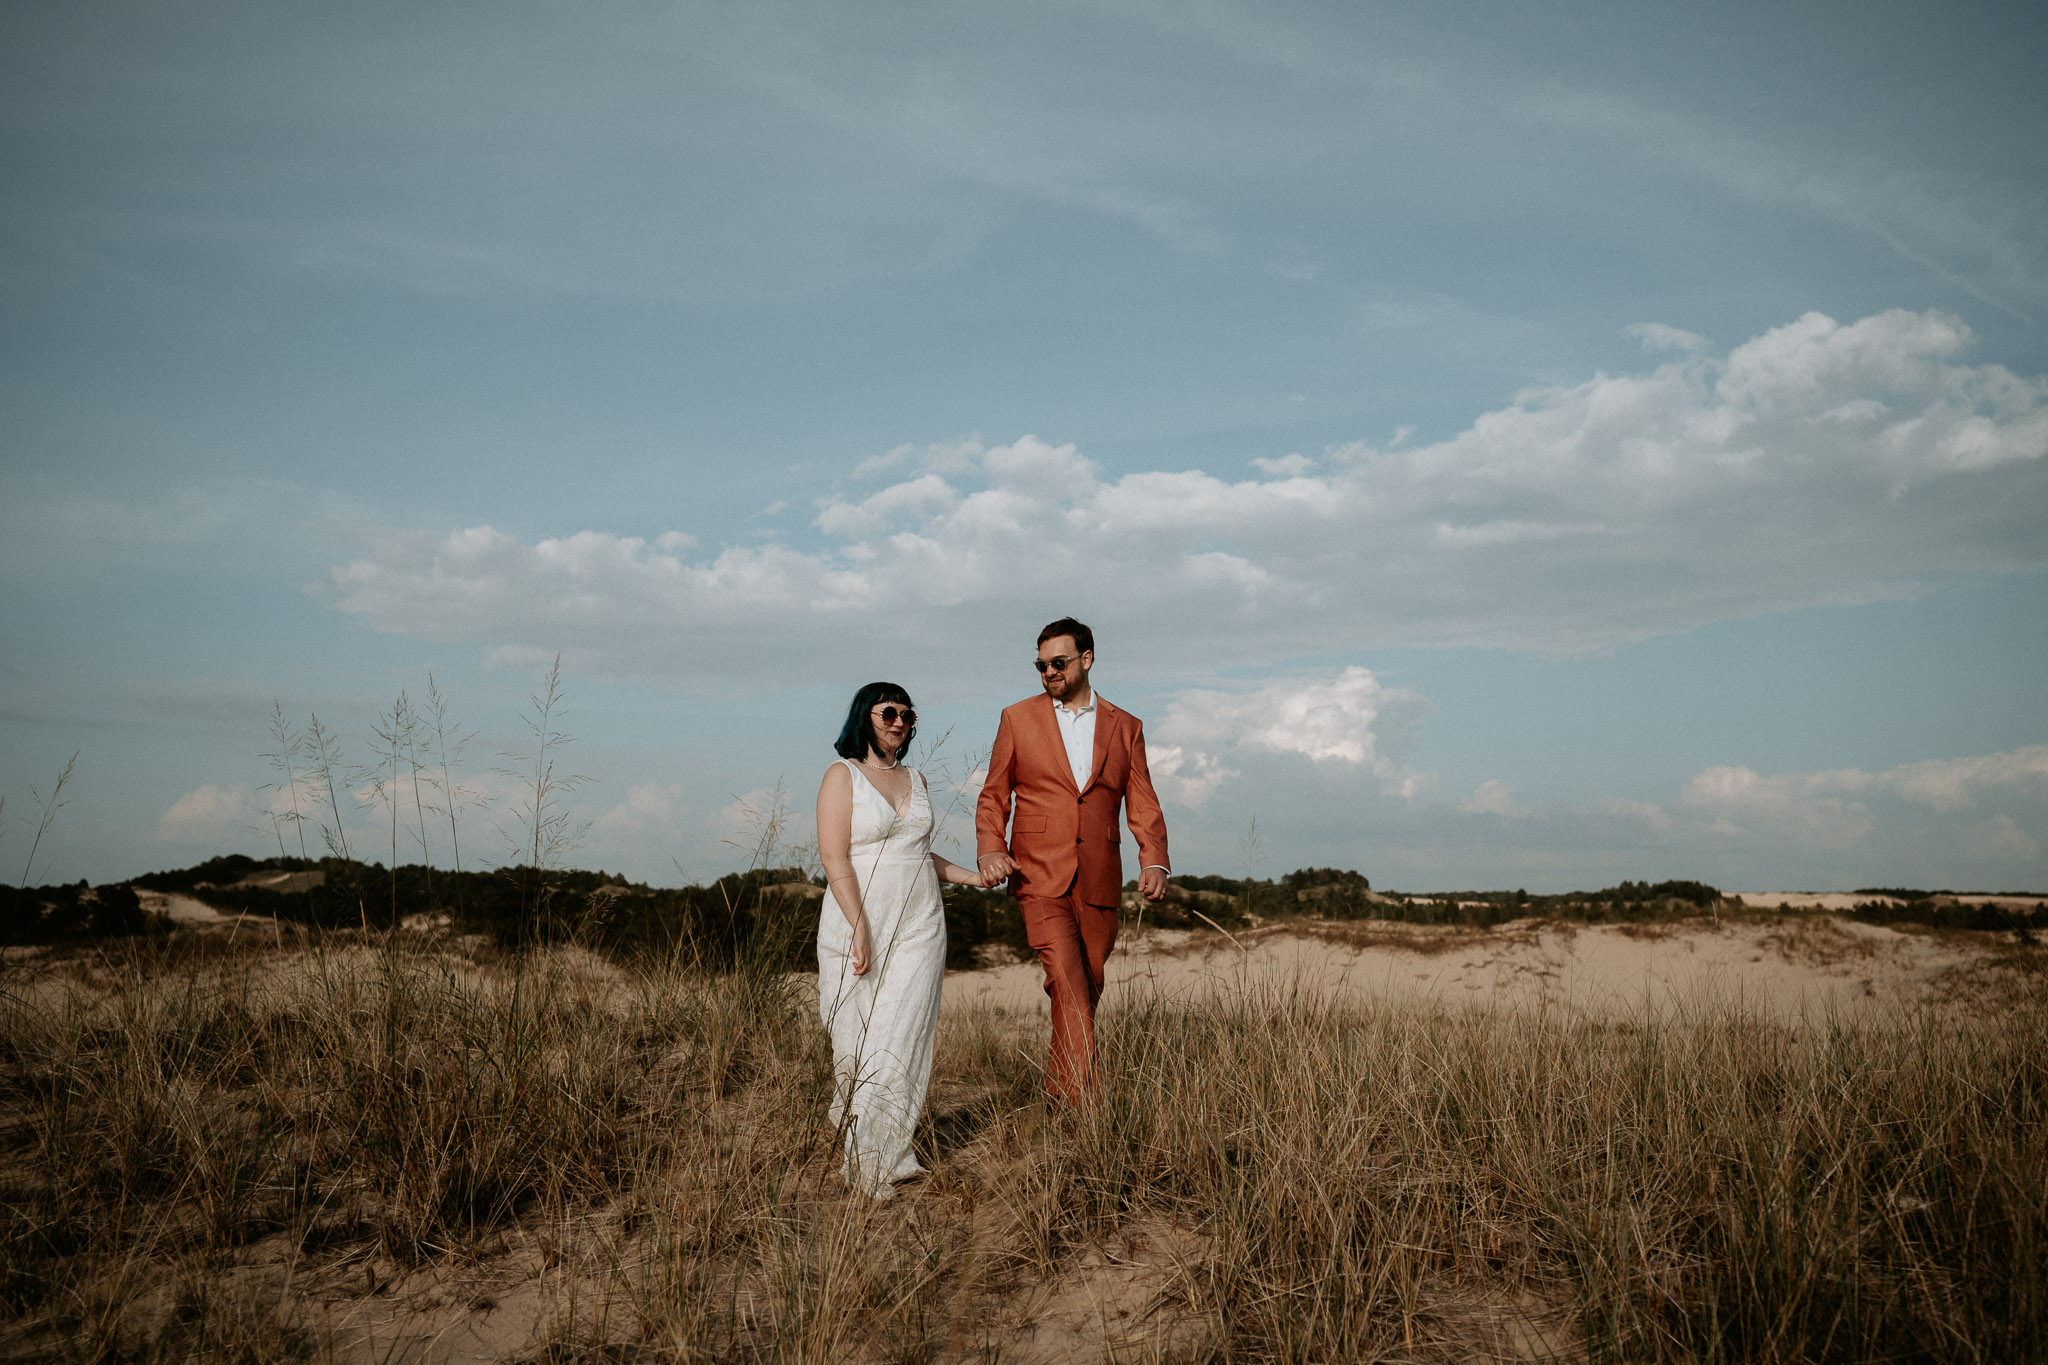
{"type": "Point", "coordinates": [857, 736]}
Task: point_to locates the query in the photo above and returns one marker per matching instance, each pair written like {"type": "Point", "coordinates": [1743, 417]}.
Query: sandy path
{"type": "Point", "coordinates": [1849, 900]}
{"type": "Point", "coordinates": [1808, 966]}
{"type": "Point", "coordinates": [185, 910]}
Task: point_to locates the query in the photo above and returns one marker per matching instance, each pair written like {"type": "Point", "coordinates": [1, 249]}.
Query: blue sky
{"type": "Point", "coordinates": [1496, 445]}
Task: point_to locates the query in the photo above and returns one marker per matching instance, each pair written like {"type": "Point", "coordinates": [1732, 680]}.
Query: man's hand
{"type": "Point", "coordinates": [1152, 884]}
{"type": "Point", "coordinates": [996, 868]}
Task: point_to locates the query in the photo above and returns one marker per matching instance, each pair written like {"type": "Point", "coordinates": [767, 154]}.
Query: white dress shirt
{"type": "Point", "coordinates": [1077, 731]}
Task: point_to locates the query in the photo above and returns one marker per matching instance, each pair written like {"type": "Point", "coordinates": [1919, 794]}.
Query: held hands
{"type": "Point", "coordinates": [996, 868]}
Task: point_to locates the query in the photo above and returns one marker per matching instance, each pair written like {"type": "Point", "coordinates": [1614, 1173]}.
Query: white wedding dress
{"type": "Point", "coordinates": [883, 1024]}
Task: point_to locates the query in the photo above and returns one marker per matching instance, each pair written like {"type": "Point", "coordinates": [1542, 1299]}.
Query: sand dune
{"type": "Point", "coordinates": [1787, 968]}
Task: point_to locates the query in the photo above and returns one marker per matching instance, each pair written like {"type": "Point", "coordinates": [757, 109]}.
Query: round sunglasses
{"type": "Point", "coordinates": [890, 715]}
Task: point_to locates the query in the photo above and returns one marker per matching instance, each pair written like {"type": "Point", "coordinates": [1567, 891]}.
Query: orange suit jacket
{"type": "Point", "coordinates": [1061, 837]}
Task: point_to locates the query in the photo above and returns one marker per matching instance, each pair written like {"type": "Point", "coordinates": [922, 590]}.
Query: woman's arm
{"type": "Point", "coordinates": [835, 845]}
{"type": "Point", "coordinates": [948, 871]}
{"type": "Point", "coordinates": [954, 873]}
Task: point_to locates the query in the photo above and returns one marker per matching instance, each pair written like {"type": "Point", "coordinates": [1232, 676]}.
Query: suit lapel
{"type": "Point", "coordinates": [1105, 721]}
{"type": "Point", "coordinates": [1055, 743]}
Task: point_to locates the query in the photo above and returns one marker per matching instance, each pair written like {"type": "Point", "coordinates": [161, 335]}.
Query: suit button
{"type": "Point", "coordinates": [1077, 838]}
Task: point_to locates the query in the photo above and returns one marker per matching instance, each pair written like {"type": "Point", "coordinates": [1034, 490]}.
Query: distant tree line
{"type": "Point", "coordinates": [63, 914]}
{"type": "Point", "coordinates": [1944, 910]}
{"type": "Point", "coordinates": [770, 914]}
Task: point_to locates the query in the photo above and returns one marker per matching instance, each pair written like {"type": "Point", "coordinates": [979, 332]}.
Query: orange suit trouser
{"type": "Point", "coordinates": [1072, 939]}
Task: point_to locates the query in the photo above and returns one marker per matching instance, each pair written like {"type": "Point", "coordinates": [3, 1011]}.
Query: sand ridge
{"type": "Point", "coordinates": [1786, 966]}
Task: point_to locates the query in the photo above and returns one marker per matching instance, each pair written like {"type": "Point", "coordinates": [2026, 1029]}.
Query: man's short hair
{"type": "Point", "coordinates": [1084, 638]}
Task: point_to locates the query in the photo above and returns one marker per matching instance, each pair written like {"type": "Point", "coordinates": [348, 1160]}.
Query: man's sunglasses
{"type": "Point", "coordinates": [890, 715]}
{"type": "Point", "coordinates": [1056, 664]}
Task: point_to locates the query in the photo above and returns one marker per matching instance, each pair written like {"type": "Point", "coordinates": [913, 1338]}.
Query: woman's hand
{"type": "Point", "coordinates": [952, 874]}
{"type": "Point", "coordinates": [862, 952]}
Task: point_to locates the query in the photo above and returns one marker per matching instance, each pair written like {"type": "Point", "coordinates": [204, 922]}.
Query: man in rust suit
{"type": "Point", "coordinates": [1062, 764]}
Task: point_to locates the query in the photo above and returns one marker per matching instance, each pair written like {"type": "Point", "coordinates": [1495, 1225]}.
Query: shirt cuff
{"type": "Point", "coordinates": [1150, 866]}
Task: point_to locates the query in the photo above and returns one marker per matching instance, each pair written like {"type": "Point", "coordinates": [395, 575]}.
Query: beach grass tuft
{"type": "Point", "coordinates": [342, 1145]}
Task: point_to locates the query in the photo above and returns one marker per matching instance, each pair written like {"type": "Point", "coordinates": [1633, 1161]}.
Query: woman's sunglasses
{"type": "Point", "coordinates": [890, 715]}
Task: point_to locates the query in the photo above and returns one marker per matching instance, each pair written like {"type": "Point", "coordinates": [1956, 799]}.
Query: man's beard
{"type": "Point", "coordinates": [1066, 688]}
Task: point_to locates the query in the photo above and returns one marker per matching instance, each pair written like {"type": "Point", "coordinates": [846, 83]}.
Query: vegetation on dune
{"type": "Point", "coordinates": [606, 912]}
{"type": "Point", "coordinates": [220, 1146]}
{"type": "Point", "coordinates": [1947, 910]}
{"type": "Point", "coordinates": [65, 914]}
{"type": "Point", "coordinates": [419, 792]}
{"type": "Point", "coordinates": [274, 1130]}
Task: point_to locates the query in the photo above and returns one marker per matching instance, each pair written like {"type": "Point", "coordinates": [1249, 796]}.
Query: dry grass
{"type": "Point", "coordinates": [349, 1149]}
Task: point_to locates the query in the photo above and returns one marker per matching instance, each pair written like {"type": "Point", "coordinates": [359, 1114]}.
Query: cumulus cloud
{"type": "Point", "coordinates": [1184, 776]}
{"type": "Point", "coordinates": [651, 810]}
{"type": "Point", "coordinates": [1811, 807]}
{"type": "Point", "coordinates": [210, 814]}
{"type": "Point", "coordinates": [2001, 839]}
{"type": "Point", "coordinates": [1346, 721]}
{"type": "Point", "coordinates": [1952, 783]}
{"type": "Point", "coordinates": [647, 836]}
{"type": "Point", "coordinates": [1285, 467]}
{"type": "Point", "coordinates": [1647, 812]}
{"type": "Point", "coordinates": [1817, 463]}
{"type": "Point", "coordinates": [1656, 336]}
{"type": "Point", "coordinates": [1493, 797]}
{"type": "Point", "coordinates": [761, 825]}
{"type": "Point", "coordinates": [945, 457]}
{"type": "Point", "coordinates": [1830, 809]}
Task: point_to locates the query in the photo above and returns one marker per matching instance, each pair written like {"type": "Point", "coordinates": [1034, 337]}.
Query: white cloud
{"type": "Point", "coordinates": [1184, 776]}
{"type": "Point", "coordinates": [2000, 839]}
{"type": "Point", "coordinates": [945, 457]}
{"type": "Point", "coordinates": [1285, 467]}
{"type": "Point", "coordinates": [647, 836]}
{"type": "Point", "coordinates": [1830, 809]}
{"type": "Point", "coordinates": [1493, 797]}
{"type": "Point", "coordinates": [922, 496]}
{"type": "Point", "coordinates": [761, 825]}
{"type": "Point", "coordinates": [651, 810]}
{"type": "Point", "coordinates": [1645, 811]}
{"type": "Point", "coordinates": [1950, 784]}
{"type": "Point", "coordinates": [1818, 463]}
{"type": "Point", "coordinates": [1510, 532]}
{"type": "Point", "coordinates": [1656, 336]}
{"type": "Point", "coordinates": [1342, 721]}
{"type": "Point", "coordinates": [1811, 807]}
{"type": "Point", "coordinates": [212, 814]}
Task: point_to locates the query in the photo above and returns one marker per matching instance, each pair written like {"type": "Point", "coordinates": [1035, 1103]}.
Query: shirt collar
{"type": "Point", "coordinates": [1078, 711]}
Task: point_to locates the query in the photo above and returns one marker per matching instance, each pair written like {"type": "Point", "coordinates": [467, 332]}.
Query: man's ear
{"type": "Point", "coordinates": [1087, 659]}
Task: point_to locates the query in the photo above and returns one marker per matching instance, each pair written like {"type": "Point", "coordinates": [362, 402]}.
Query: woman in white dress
{"type": "Point", "coordinates": [881, 937]}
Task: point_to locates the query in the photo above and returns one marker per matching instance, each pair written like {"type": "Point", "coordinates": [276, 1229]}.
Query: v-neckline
{"type": "Point", "coordinates": [908, 801]}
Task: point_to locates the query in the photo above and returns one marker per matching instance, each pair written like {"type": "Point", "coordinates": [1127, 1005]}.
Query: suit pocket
{"type": "Point", "coordinates": [1028, 824]}
{"type": "Point", "coordinates": [1115, 835]}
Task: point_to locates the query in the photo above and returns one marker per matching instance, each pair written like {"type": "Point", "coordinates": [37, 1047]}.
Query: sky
{"type": "Point", "coordinates": [1495, 445]}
